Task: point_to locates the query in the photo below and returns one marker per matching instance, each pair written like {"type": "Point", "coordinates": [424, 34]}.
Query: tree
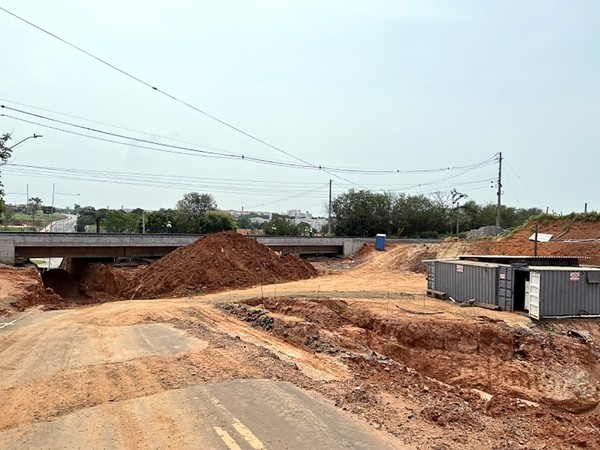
{"type": "Point", "coordinates": [156, 221]}
{"type": "Point", "coordinates": [244, 222]}
{"type": "Point", "coordinates": [5, 154]}
{"type": "Point", "coordinates": [117, 221]}
{"type": "Point", "coordinates": [280, 226]}
{"type": "Point", "coordinates": [34, 204]}
{"type": "Point", "coordinates": [362, 213]}
{"type": "Point", "coordinates": [86, 216]}
{"type": "Point", "coordinates": [215, 221]}
{"type": "Point", "coordinates": [305, 229]}
{"type": "Point", "coordinates": [191, 209]}
{"type": "Point", "coordinates": [9, 213]}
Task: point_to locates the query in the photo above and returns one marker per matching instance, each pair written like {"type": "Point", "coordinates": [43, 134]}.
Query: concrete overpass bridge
{"type": "Point", "coordinates": [16, 248]}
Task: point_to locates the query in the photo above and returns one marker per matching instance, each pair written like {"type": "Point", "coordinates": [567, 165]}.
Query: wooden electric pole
{"type": "Point", "coordinates": [499, 189]}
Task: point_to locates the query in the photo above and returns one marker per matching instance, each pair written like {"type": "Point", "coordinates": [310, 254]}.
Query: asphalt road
{"type": "Point", "coordinates": [67, 225]}
{"type": "Point", "coordinates": [98, 378]}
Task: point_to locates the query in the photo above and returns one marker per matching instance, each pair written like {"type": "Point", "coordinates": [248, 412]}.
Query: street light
{"type": "Point", "coordinates": [34, 136]}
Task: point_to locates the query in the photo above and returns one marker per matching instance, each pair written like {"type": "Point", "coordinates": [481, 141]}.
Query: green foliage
{"type": "Point", "coordinates": [156, 221]}
{"type": "Point", "coordinates": [117, 221]}
{"type": "Point", "coordinates": [544, 218]}
{"type": "Point", "coordinates": [244, 222]}
{"type": "Point", "coordinates": [8, 213]}
{"type": "Point", "coordinates": [363, 213]}
{"type": "Point", "coordinates": [191, 210]}
{"type": "Point", "coordinates": [215, 221]}
{"type": "Point", "coordinates": [86, 216]}
{"type": "Point", "coordinates": [5, 154]}
{"type": "Point", "coordinates": [280, 226]}
{"type": "Point", "coordinates": [34, 204]}
{"type": "Point", "coordinates": [590, 216]}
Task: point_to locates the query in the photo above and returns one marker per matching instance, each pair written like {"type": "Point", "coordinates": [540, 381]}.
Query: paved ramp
{"type": "Point", "coordinates": [232, 415]}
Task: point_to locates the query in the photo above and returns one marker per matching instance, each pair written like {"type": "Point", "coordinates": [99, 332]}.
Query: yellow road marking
{"type": "Point", "coordinates": [242, 429]}
{"type": "Point", "coordinates": [254, 442]}
{"type": "Point", "coordinates": [224, 435]}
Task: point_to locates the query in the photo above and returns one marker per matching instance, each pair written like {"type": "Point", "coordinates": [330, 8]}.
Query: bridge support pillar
{"type": "Point", "coordinates": [351, 247]}
{"type": "Point", "coordinates": [7, 252]}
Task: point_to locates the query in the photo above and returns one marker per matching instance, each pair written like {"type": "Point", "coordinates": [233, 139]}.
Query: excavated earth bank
{"type": "Point", "coordinates": [522, 387]}
{"type": "Point", "coordinates": [483, 353]}
{"type": "Point", "coordinates": [569, 238]}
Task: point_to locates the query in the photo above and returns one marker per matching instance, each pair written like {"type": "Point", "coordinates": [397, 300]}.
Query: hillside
{"type": "Point", "coordinates": [569, 238]}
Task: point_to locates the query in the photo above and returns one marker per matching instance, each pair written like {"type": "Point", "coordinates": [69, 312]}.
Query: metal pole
{"type": "Point", "coordinates": [34, 136]}
{"type": "Point", "coordinates": [457, 219]}
{"type": "Point", "coordinates": [27, 205]}
{"type": "Point", "coordinates": [329, 217]}
{"type": "Point", "coordinates": [535, 245]}
{"type": "Point", "coordinates": [585, 209]}
{"type": "Point", "coordinates": [143, 222]}
{"type": "Point", "coordinates": [499, 189]}
{"type": "Point", "coordinates": [52, 209]}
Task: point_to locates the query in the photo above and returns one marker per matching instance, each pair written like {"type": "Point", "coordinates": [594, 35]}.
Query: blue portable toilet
{"type": "Point", "coordinates": [380, 242]}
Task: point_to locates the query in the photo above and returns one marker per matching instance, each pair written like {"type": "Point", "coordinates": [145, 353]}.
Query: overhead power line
{"type": "Point", "coordinates": [287, 189]}
{"type": "Point", "coordinates": [189, 105]}
{"type": "Point", "coordinates": [172, 97]}
{"type": "Point", "coordinates": [177, 182]}
{"type": "Point", "coordinates": [218, 153]}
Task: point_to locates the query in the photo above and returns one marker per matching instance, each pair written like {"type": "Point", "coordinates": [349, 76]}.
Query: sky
{"type": "Point", "coordinates": [411, 97]}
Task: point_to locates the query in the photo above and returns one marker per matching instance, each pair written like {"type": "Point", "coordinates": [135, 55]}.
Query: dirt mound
{"type": "Point", "coordinates": [410, 257]}
{"type": "Point", "coordinates": [22, 288]}
{"type": "Point", "coordinates": [218, 261]}
{"type": "Point", "coordinates": [104, 282]}
{"type": "Point", "coordinates": [367, 250]}
{"type": "Point", "coordinates": [566, 241]}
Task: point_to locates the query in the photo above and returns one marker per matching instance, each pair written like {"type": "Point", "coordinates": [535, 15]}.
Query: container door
{"type": "Point", "coordinates": [534, 295]}
{"type": "Point", "coordinates": [527, 294]}
{"type": "Point", "coordinates": [505, 276]}
{"type": "Point", "coordinates": [431, 275]}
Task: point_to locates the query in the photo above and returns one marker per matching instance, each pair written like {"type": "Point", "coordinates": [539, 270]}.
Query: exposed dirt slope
{"type": "Point", "coordinates": [565, 234]}
{"type": "Point", "coordinates": [21, 288]}
{"type": "Point", "coordinates": [410, 257]}
{"type": "Point", "coordinates": [216, 262]}
{"type": "Point", "coordinates": [473, 376]}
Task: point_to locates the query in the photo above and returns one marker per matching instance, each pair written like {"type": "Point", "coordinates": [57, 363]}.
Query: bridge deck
{"type": "Point", "coordinates": [16, 246]}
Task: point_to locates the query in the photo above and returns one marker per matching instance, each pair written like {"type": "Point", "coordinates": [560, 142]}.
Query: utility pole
{"type": "Point", "coordinates": [329, 217]}
{"type": "Point", "coordinates": [499, 189]}
{"type": "Point", "coordinates": [456, 198]}
{"type": "Point", "coordinates": [27, 205]}
{"type": "Point", "coordinates": [52, 209]}
{"type": "Point", "coordinates": [457, 219]}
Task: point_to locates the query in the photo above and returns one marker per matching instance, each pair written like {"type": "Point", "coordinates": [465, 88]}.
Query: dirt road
{"type": "Point", "coordinates": [104, 377]}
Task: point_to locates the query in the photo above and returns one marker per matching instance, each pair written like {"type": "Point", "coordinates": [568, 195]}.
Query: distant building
{"type": "Point", "coordinates": [237, 213]}
{"type": "Point", "coordinates": [316, 223]}
{"type": "Point", "coordinates": [297, 214]}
